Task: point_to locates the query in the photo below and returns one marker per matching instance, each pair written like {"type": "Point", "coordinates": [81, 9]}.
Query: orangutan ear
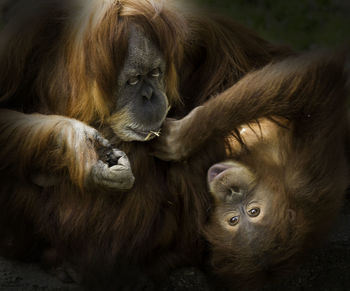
{"type": "Point", "coordinates": [291, 215]}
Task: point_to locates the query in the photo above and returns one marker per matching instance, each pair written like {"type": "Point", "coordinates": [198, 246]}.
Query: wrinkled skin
{"type": "Point", "coordinates": [141, 104]}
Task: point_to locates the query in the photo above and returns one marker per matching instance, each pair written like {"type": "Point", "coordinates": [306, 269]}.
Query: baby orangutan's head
{"type": "Point", "coordinates": [253, 227]}
{"type": "Point", "coordinates": [258, 228]}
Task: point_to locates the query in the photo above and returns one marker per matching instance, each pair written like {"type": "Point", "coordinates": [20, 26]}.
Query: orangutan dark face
{"type": "Point", "coordinates": [141, 99]}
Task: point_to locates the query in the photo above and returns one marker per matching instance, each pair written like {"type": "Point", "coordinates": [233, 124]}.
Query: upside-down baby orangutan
{"type": "Point", "coordinates": [82, 85]}
{"type": "Point", "coordinates": [284, 181]}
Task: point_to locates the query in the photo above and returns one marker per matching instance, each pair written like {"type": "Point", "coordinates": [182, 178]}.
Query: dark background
{"type": "Point", "coordinates": [303, 24]}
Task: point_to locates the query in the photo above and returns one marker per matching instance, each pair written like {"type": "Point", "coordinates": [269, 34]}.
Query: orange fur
{"type": "Point", "coordinates": [59, 65]}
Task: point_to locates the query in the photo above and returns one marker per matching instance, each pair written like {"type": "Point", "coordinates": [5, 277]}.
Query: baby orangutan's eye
{"type": "Point", "coordinates": [233, 220]}
{"type": "Point", "coordinates": [254, 212]}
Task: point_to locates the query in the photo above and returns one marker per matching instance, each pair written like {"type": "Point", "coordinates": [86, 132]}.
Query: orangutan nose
{"type": "Point", "coordinates": [216, 170]}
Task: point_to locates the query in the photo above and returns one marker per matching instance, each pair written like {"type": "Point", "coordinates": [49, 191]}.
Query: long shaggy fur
{"type": "Point", "coordinates": [301, 165]}
{"type": "Point", "coordinates": [60, 60]}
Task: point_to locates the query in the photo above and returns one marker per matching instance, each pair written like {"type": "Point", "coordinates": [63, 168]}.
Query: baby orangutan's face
{"type": "Point", "coordinates": [240, 202]}
{"type": "Point", "coordinates": [251, 229]}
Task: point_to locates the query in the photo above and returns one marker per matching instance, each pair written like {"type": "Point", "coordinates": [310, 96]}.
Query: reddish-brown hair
{"type": "Point", "coordinates": [64, 59]}
{"type": "Point", "coordinates": [83, 55]}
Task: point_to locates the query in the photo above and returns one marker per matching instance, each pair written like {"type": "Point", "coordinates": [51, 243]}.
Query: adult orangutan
{"type": "Point", "coordinates": [285, 179]}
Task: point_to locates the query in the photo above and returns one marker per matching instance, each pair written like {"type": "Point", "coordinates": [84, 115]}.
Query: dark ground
{"type": "Point", "coordinates": [326, 270]}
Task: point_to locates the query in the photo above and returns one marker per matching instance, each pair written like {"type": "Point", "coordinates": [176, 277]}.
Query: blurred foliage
{"type": "Point", "coordinates": [302, 23]}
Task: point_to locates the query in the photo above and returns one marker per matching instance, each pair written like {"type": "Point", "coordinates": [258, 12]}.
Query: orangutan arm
{"type": "Point", "coordinates": [306, 89]}
{"type": "Point", "coordinates": [51, 146]}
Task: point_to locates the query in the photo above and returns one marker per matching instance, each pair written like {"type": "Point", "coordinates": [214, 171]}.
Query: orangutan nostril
{"type": "Point", "coordinates": [216, 170]}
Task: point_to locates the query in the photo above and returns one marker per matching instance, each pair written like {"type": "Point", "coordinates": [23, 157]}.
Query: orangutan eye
{"type": "Point", "coordinates": [254, 212]}
{"type": "Point", "coordinates": [233, 220]}
{"type": "Point", "coordinates": [155, 73]}
{"type": "Point", "coordinates": [134, 80]}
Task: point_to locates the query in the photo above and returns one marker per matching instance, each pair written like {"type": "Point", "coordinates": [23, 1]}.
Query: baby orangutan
{"type": "Point", "coordinates": [286, 173]}
{"type": "Point", "coordinates": [271, 205]}
{"type": "Point", "coordinates": [276, 197]}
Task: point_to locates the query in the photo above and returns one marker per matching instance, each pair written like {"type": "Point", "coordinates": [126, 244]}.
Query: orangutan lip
{"type": "Point", "coordinates": [143, 133]}
{"type": "Point", "coordinates": [216, 170]}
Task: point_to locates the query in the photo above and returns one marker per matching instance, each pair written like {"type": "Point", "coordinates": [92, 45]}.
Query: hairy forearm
{"type": "Point", "coordinates": [41, 142]}
{"type": "Point", "coordinates": [308, 87]}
